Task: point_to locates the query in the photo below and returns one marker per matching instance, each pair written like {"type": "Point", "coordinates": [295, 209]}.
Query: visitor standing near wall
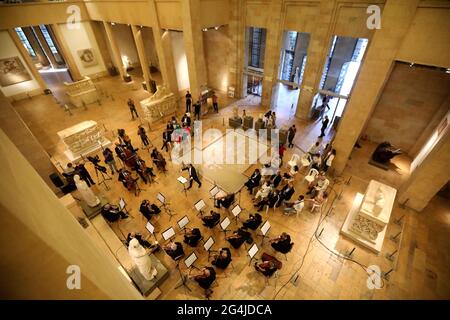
{"type": "Point", "coordinates": [215, 103]}
{"type": "Point", "coordinates": [132, 108]}
{"type": "Point", "coordinates": [188, 101]}
{"type": "Point", "coordinates": [325, 123]}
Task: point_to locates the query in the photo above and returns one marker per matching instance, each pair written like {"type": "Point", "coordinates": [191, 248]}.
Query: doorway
{"type": "Point", "coordinates": [255, 44]}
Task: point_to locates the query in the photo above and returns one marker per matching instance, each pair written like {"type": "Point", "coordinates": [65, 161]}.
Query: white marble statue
{"type": "Point", "coordinates": [88, 196]}
{"type": "Point", "coordinates": [141, 259]}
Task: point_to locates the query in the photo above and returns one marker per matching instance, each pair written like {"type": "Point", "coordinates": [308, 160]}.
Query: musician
{"type": "Point", "coordinates": [174, 249]}
{"type": "Point", "coordinates": [282, 243]}
{"type": "Point", "coordinates": [253, 181]}
{"type": "Point", "coordinates": [141, 132]}
{"type": "Point", "coordinates": [109, 160]}
{"type": "Point", "coordinates": [167, 139]}
{"type": "Point", "coordinates": [238, 238]}
{"type": "Point", "coordinates": [128, 145]}
{"type": "Point", "coordinates": [186, 120]}
{"type": "Point", "coordinates": [138, 237]}
{"type": "Point", "coordinates": [224, 201]}
{"type": "Point", "coordinates": [205, 278]}
{"type": "Point", "coordinates": [267, 267]}
{"type": "Point", "coordinates": [127, 179]}
{"type": "Point", "coordinates": [211, 220]}
{"type": "Point", "coordinates": [120, 151]}
{"type": "Point", "coordinates": [192, 175]}
{"type": "Point", "coordinates": [223, 259]}
{"type": "Point", "coordinates": [112, 213]}
{"type": "Point", "coordinates": [253, 221]}
{"type": "Point", "coordinates": [158, 160]}
{"type": "Point", "coordinates": [84, 174]}
{"type": "Point", "coordinates": [274, 198]}
{"type": "Point", "coordinates": [192, 236]}
{"type": "Point", "coordinates": [143, 171]}
{"type": "Point", "coordinates": [287, 191]}
{"type": "Point", "coordinates": [148, 209]}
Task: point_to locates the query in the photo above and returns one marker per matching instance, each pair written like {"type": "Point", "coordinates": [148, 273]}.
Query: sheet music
{"type": "Point", "coordinates": [150, 227]}
{"type": "Point", "coordinates": [225, 223]}
{"type": "Point", "coordinates": [190, 260]}
{"type": "Point", "coordinates": [214, 191]}
{"type": "Point", "coordinates": [122, 204]}
{"type": "Point", "coordinates": [182, 179]}
{"type": "Point", "coordinates": [265, 227]}
{"type": "Point", "coordinates": [161, 198]}
{"type": "Point", "coordinates": [253, 250]}
{"type": "Point", "coordinates": [200, 205]}
{"type": "Point", "coordinates": [183, 222]}
{"type": "Point", "coordinates": [208, 244]}
{"type": "Point", "coordinates": [169, 233]}
{"type": "Point", "coordinates": [236, 210]}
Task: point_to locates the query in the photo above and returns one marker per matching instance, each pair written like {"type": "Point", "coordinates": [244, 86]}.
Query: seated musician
{"type": "Point", "coordinates": [223, 259]}
{"type": "Point", "coordinates": [274, 198]}
{"type": "Point", "coordinates": [267, 267]}
{"type": "Point", "coordinates": [158, 160]}
{"type": "Point", "coordinates": [138, 237]}
{"type": "Point", "coordinates": [253, 181]}
{"type": "Point", "coordinates": [174, 249]}
{"type": "Point", "coordinates": [148, 209]}
{"type": "Point", "coordinates": [211, 220]}
{"type": "Point", "coordinates": [253, 221]}
{"type": "Point", "coordinates": [144, 172]}
{"type": "Point", "coordinates": [112, 213]}
{"type": "Point", "coordinates": [224, 201]}
{"type": "Point", "coordinates": [205, 278]}
{"type": "Point", "coordinates": [238, 238]}
{"type": "Point", "coordinates": [282, 243]}
{"type": "Point", "coordinates": [192, 236]}
{"type": "Point", "coordinates": [120, 151]}
{"type": "Point", "coordinates": [127, 179]}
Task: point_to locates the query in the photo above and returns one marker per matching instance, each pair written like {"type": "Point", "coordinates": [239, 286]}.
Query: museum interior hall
{"type": "Point", "coordinates": [225, 149]}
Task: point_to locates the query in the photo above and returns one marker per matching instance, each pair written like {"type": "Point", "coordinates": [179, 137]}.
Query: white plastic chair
{"type": "Point", "coordinates": [312, 174]}
{"type": "Point", "coordinates": [294, 160]}
{"type": "Point", "coordinates": [305, 161]}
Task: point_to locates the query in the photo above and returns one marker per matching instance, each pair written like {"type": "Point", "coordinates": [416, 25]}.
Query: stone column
{"type": "Point", "coordinates": [115, 50]}
{"type": "Point", "coordinates": [395, 21]}
{"type": "Point", "coordinates": [272, 52]}
{"type": "Point", "coordinates": [193, 43]}
{"type": "Point", "coordinates": [137, 35]}
{"type": "Point", "coordinates": [163, 47]}
{"type": "Point", "coordinates": [27, 58]}
{"type": "Point", "coordinates": [428, 178]}
{"type": "Point", "coordinates": [74, 71]}
{"type": "Point", "coordinates": [319, 45]}
{"type": "Point", "coordinates": [100, 37]}
{"type": "Point", "coordinates": [236, 54]}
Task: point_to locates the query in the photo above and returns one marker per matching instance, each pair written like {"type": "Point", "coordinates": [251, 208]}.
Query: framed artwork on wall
{"type": "Point", "coordinates": [12, 71]}
{"type": "Point", "coordinates": [87, 57]}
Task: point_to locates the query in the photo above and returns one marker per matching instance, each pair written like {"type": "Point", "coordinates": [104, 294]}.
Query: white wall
{"type": "Point", "coordinates": [149, 45]}
{"type": "Point", "coordinates": [8, 49]}
{"type": "Point", "coordinates": [180, 60]}
{"type": "Point", "coordinates": [83, 38]}
{"type": "Point", "coordinates": [125, 42]}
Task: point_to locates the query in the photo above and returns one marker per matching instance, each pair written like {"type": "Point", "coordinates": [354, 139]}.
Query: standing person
{"type": "Point", "coordinates": [192, 175]}
{"type": "Point", "coordinates": [197, 110]}
{"type": "Point", "coordinates": [291, 135]}
{"type": "Point", "coordinates": [188, 101]}
{"type": "Point", "coordinates": [329, 160]}
{"type": "Point", "coordinates": [141, 132]}
{"type": "Point", "coordinates": [281, 151]}
{"type": "Point", "coordinates": [325, 123]}
{"type": "Point", "coordinates": [167, 137]}
{"type": "Point", "coordinates": [132, 108]}
{"type": "Point", "coordinates": [109, 159]}
{"type": "Point", "coordinates": [84, 174]}
{"type": "Point", "coordinates": [215, 104]}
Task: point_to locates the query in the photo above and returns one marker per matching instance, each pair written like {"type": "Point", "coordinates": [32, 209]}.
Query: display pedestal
{"type": "Point", "coordinates": [91, 212]}
{"type": "Point", "coordinates": [367, 219]}
{"type": "Point", "coordinates": [147, 286]}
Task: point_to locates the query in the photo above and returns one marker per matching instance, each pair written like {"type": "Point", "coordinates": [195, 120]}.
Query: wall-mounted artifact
{"type": "Point", "coordinates": [87, 57]}
{"type": "Point", "coordinates": [12, 71]}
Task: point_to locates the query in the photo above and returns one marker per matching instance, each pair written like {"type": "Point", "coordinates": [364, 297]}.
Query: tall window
{"type": "Point", "coordinates": [48, 39]}
{"type": "Point", "coordinates": [256, 36]}
{"type": "Point", "coordinates": [289, 53]}
{"type": "Point", "coordinates": [25, 42]}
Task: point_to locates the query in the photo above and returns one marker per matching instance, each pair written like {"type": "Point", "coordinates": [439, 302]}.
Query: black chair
{"type": "Point", "coordinates": [289, 250]}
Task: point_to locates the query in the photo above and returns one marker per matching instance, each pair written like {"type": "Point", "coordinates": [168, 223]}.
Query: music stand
{"type": "Point", "coordinates": [199, 206]}
{"type": "Point", "coordinates": [236, 211]}
{"type": "Point", "coordinates": [182, 223]}
{"type": "Point", "coordinates": [208, 245]}
{"type": "Point", "coordinates": [168, 233]}
{"type": "Point", "coordinates": [264, 230]}
{"type": "Point", "coordinates": [215, 190]}
{"type": "Point", "coordinates": [189, 263]}
{"type": "Point", "coordinates": [252, 252]}
{"type": "Point", "coordinates": [151, 228]}
{"type": "Point", "coordinates": [224, 225]}
{"type": "Point", "coordinates": [183, 181]}
{"type": "Point", "coordinates": [164, 204]}
{"type": "Point", "coordinates": [123, 205]}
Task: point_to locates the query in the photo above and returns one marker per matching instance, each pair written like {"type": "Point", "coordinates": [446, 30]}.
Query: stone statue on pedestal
{"type": "Point", "coordinates": [88, 196]}
{"type": "Point", "coordinates": [140, 257]}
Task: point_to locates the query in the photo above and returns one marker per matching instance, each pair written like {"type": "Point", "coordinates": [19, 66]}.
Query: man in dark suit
{"type": "Point", "coordinates": [186, 120]}
{"type": "Point", "coordinates": [120, 151]}
{"type": "Point", "coordinates": [192, 175]}
{"type": "Point", "coordinates": [197, 107]}
{"type": "Point", "coordinates": [188, 101]}
{"type": "Point", "coordinates": [166, 139]}
{"type": "Point", "coordinates": [253, 181]}
{"type": "Point", "coordinates": [287, 192]}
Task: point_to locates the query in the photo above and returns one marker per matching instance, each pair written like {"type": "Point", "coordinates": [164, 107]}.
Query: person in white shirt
{"type": "Point", "coordinates": [329, 160]}
{"type": "Point", "coordinates": [264, 191]}
{"type": "Point", "coordinates": [314, 149]}
{"type": "Point", "coordinates": [319, 185]}
{"type": "Point", "coordinates": [295, 207]}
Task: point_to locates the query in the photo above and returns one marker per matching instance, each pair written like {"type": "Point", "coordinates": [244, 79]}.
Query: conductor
{"type": "Point", "coordinates": [192, 175]}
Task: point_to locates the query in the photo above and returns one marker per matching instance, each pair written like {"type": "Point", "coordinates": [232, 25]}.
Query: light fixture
{"type": "Point", "coordinates": [205, 29]}
{"type": "Point", "coordinates": [113, 23]}
{"type": "Point", "coordinates": [217, 27]}
{"type": "Point", "coordinates": [411, 65]}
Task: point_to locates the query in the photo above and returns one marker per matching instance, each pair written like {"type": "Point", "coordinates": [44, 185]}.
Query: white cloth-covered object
{"type": "Point", "coordinates": [88, 196]}
{"type": "Point", "coordinates": [141, 259]}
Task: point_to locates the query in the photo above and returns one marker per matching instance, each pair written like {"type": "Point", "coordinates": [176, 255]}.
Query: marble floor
{"type": "Point", "coordinates": [421, 266]}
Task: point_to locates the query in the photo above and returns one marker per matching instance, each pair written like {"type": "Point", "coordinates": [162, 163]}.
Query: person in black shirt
{"type": "Point", "coordinates": [139, 238]}
{"type": "Point", "coordinates": [253, 221]}
{"type": "Point", "coordinates": [276, 179]}
{"type": "Point", "coordinates": [205, 278]}
{"type": "Point", "coordinates": [224, 201]}
{"type": "Point", "coordinates": [274, 198]}
{"type": "Point", "coordinates": [84, 174]}
{"type": "Point", "coordinates": [253, 181]}
{"type": "Point", "coordinates": [141, 132]}
{"type": "Point", "coordinates": [211, 220]}
{"type": "Point", "coordinates": [223, 259]}
{"type": "Point", "coordinates": [167, 138]}
{"type": "Point", "coordinates": [282, 243]}
{"type": "Point", "coordinates": [192, 175]}
{"type": "Point", "coordinates": [132, 107]}
{"type": "Point", "coordinates": [109, 160]}
{"type": "Point", "coordinates": [188, 101]}
{"type": "Point", "coordinates": [324, 126]}
{"type": "Point", "coordinates": [192, 237]}
{"type": "Point", "coordinates": [287, 192]}
{"type": "Point", "coordinates": [197, 107]}
{"type": "Point", "coordinates": [174, 249]}
{"type": "Point", "coordinates": [112, 213]}
{"type": "Point", "coordinates": [238, 238]}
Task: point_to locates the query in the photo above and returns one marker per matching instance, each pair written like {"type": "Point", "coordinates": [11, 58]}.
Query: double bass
{"type": "Point", "coordinates": [144, 172]}
{"type": "Point", "coordinates": [127, 179]}
{"type": "Point", "coordinates": [130, 158]}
